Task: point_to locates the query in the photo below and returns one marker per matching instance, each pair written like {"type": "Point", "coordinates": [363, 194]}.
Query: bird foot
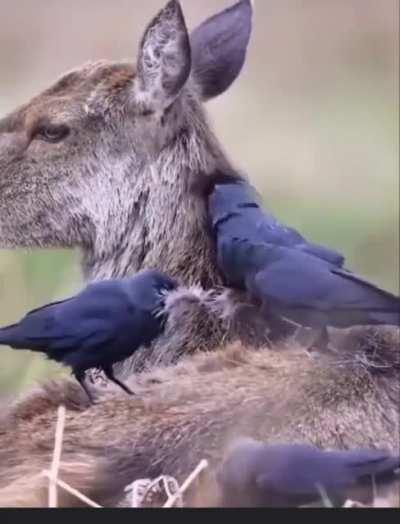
{"type": "Point", "coordinates": [81, 379]}
{"type": "Point", "coordinates": [320, 343]}
{"type": "Point", "coordinates": [110, 375]}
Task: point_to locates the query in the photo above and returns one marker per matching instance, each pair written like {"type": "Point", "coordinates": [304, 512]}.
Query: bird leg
{"type": "Point", "coordinates": [80, 377]}
{"type": "Point", "coordinates": [321, 341]}
{"type": "Point", "coordinates": [109, 373]}
{"type": "Point", "coordinates": [279, 328]}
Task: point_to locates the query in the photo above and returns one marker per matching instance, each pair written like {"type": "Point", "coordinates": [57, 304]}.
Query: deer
{"type": "Point", "coordinates": [104, 162]}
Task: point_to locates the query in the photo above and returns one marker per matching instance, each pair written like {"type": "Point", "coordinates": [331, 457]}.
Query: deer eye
{"type": "Point", "coordinates": [52, 133]}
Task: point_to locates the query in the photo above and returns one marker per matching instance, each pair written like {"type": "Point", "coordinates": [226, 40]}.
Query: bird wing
{"type": "Point", "coordinates": [297, 286]}
{"type": "Point", "coordinates": [275, 233]}
{"type": "Point", "coordinates": [250, 221]}
{"type": "Point", "coordinates": [28, 333]}
{"type": "Point", "coordinates": [72, 323]}
{"type": "Point", "coordinates": [280, 235]}
{"type": "Point", "coordinates": [238, 258]}
{"type": "Point", "coordinates": [334, 472]}
{"type": "Point", "coordinates": [236, 210]}
{"type": "Point", "coordinates": [294, 486]}
{"type": "Point", "coordinates": [299, 280]}
{"type": "Point", "coordinates": [293, 470]}
{"type": "Point", "coordinates": [327, 254]}
{"type": "Point", "coordinates": [390, 302]}
{"type": "Point", "coordinates": [370, 463]}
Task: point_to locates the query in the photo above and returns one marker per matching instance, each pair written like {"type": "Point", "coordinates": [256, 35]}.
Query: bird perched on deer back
{"type": "Point", "coordinates": [102, 325]}
{"type": "Point", "coordinates": [290, 278]}
{"type": "Point", "coordinates": [254, 474]}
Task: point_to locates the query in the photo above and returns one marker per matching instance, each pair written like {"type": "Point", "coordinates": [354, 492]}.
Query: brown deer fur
{"type": "Point", "coordinates": [189, 412]}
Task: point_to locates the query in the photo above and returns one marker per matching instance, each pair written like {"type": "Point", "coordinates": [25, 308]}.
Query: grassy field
{"type": "Point", "coordinates": [313, 121]}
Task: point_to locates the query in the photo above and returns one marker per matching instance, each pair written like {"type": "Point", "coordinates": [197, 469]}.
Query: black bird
{"type": "Point", "coordinates": [292, 279]}
{"type": "Point", "coordinates": [102, 325]}
{"type": "Point", "coordinates": [254, 474]}
{"type": "Point", "coordinates": [235, 208]}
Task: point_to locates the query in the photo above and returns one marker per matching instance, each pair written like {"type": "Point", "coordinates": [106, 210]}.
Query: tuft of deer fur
{"type": "Point", "coordinates": [192, 411]}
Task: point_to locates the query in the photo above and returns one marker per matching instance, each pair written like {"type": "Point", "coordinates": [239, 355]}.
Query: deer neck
{"type": "Point", "coordinates": [156, 221]}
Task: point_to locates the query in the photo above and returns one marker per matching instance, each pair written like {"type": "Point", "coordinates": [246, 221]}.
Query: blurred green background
{"type": "Point", "coordinates": [313, 120]}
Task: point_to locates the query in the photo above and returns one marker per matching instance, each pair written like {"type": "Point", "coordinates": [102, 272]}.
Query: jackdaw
{"type": "Point", "coordinates": [254, 474]}
{"type": "Point", "coordinates": [102, 325]}
{"type": "Point", "coordinates": [292, 279]}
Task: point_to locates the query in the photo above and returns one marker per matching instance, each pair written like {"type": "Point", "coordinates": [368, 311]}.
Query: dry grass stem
{"type": "Point", "coordinates": [66, 487]}
{"type": "Point", "coordinates": [191, 478]}
{"type": "Point", "coordinates": [353, 504]}
{"type": "Point", "coordinates": [324, 496]}
{"type": "Point", "coordinates": [55, 465]}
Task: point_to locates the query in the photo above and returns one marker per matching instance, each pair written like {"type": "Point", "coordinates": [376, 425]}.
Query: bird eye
{"type": "Point", "coordinates": [52, 133]}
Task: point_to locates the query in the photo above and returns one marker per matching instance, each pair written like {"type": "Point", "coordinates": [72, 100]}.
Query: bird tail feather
{"type": "Point", "coordinates": [389, 318]}
{"type": "Point", "coordinates": [382, 471]}
{"type": "Point", "coordinates": [10, 336]}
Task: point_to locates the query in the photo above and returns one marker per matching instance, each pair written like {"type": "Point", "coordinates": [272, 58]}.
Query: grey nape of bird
{"type": "Point", "coordinates": [102, 325]}
{"type": "Point", "coordinates": [291, 278]}
{"type": "Point", "coordinates": [254, 474]}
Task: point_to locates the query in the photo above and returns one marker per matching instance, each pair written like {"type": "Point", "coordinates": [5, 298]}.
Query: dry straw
{"type": "Point", "coordinates": [55, 465]}
{"type": "Point", "coordinates": [140, 489]}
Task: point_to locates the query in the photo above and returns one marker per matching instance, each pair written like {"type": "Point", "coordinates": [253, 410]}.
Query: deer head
{"type": "Point", "coordinates": [102, 160]}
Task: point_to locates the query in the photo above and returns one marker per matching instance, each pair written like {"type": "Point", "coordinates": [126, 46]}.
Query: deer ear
{"type": "Point", "coordinates": [219, 47]}
{"type": "Point", "coordinates": [164, 62]}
